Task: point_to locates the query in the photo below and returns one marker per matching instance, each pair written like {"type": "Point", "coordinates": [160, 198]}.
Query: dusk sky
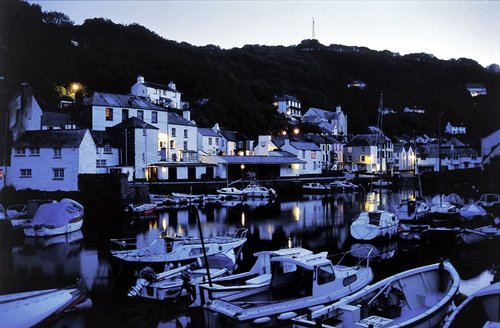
{"type": "Point", "coordinates": [446, 29]}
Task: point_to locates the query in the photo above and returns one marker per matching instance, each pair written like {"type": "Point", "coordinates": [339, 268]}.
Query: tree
{"type": "Point", "coordinates": [56, 18]}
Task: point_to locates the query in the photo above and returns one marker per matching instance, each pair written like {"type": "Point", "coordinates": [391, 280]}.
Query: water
{"type": "Point", "coordinates": [316, 222]}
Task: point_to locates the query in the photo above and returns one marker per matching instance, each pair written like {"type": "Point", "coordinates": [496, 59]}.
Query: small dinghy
{"type": "Point", "coordinates": [41, 307]}
{"type": "Point", "coordinates": [141, 209]}
{"type": "Point", "coordinates": [418, 297]}
{"type": "Point", "coordinates": [374, 224]}
{"type": "Point", "coordinates": [315, 188]}
{"type": "Point", "coordinates": [483, 234]}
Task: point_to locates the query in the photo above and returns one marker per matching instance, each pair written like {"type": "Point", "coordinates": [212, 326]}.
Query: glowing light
{"type": "Point", "coordinates": [296, 212]}
{"type": "Point", "coordinates": [164, 224]}
{"type": "Point", "coordinates": [243, 218]}
{"type": "Point", "coordinates": [289, 242]}
{"type": "Point", "coordinates": [75, 87]}
{"type": "Point", "coordinates": [283, 133]}
{"type": "Point", "coordinates": [242, 166]}
{"type": "Point", "coordinates": [296, 131]}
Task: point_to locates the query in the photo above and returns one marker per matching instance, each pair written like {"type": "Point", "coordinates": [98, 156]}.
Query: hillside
{"type": "Point", "coordinates": [241, 82]}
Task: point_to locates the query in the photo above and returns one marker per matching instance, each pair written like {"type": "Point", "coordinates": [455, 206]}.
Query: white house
{"type": "Point", "coordinates": [24, 112]}
{"type": "Point", "coordinates": [333, 123]}
{"type": "Point", "coordinates": [287, 105]}
{"type": "Point", "coordinates": [264, 145]}
{"type": "Point", "coordinates": [107, 153]}
{"type": "Point", "coordinates": [307, 152]}
{"type": "Point", "coordinates": [404, 157]}
{"type": "Point", "coordinates": [331, 149]}
{"type": "Point", "coordinates": [369, 152]}
{"type": "Point", "coordinates": [208, 141]}
{"type": "Point", "coordinates": [179, 142]}
{"type": "Point", "coordinates": [450, 129]}
{"type": "Point", "coordinates": [454, 156]}
{"type": "Point", "coordinates": [490, 147]}
{"type": "Point", "coordinates": [51, 159]}
{"type": "Point", "coordinates": [160, 94]}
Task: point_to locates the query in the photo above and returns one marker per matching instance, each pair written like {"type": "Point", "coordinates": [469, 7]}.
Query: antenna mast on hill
{"type": "Point", "coordinates": [314, 33]}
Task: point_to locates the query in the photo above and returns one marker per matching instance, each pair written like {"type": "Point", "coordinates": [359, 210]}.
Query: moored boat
{"type": "Point", "coordinates": [296, 285]}
{"type": "Point", "coordinates": [256, 190]}
{"type": "Point", "coordinates": [315, 187]}
{"type": "Point", "coordinates": [141, 209]}
{"type": "Point", "coordinates": [472, 212]}
{"type": "Point", "coordinates": [418, 297]}
{"type": "Point", "coordinates": [381, 183]}
{"type": "Point", "coordinates": [51, 219]}
{"type": "Point", "coordinates": [411, 210]}
{"type": "Point", "coordinates": [177, 249]}
{"type": "Point", "coordinates": [230, 192]}
{"type": "Point", "coordinates": [489, 233]}
{"type": "Point", "coordinates": [20, 214]}
{"type": "Point", "coordinates": [490, 202]}
{"type": "Point", "coordinates": [374, 224]}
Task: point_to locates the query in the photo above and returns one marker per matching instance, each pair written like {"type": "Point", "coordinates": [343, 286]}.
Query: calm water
{"type": "Point", "coordinates": [316, 222]}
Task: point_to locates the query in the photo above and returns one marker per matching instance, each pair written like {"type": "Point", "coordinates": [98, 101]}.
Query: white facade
{"type": "Point", "coordinates": [24, 112]}
{"type": "Point", "coordinates": [179, 142]}
{"type": "Point", "coordinates": [334, 123]}
{"type": "Point", "coordinates": [52, 168]}
{"type": "Point", "coordinates": [450, 129]}
{"type": "Point", "coordinates": [404, 159]}
{"type": "Point", "coordinates": [146, 150]}
{"type": "Point", "coordinates": [106, 156]}
{"type": "Point", "coordinates": [288, 106]}
{"type": "Point", "coordinates": [208, 142]}
{"type": "Point", "coordinates": [264, 146]}
{"type": "Point", "coordinates": [361, 158]}
{"type": "Point", "coordinates": [163, 95]}
{"type": "Point", "coordinates": [308, 152]}
{"type": "Point", "coordinates": [107, 116]}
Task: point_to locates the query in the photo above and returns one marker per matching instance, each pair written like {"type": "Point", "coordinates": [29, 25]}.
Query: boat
{"type": "Point", "coordinates": [188, 198]}
{"type": "Point", "coordinates": [296, 285]}
{"type": "Point", "coordinates": [258, 276]}
{"type": "Point", "coordinates": [378, 252]}
{"type": "Point", "coordinates": [411, 210]}
{"type": "Point", "coordinates": [381, 183]}
{"type": "Point", "coordinates": [490, 202]}
{"type": "Point", "coordinates": [343, 186]}
{"type": "Point", "coordinates": [472, 212]}
{"type": "Point", "coordinates": [157, 199]}
{"type": "Point", "coordinates": [20, 214]}
{"type": "Point", "coordinates": [418, 297]}
{"type": "Point", "coordinates": [230, 192]}
{"type": "Point", "coordinates": [142, 209]}
{"type": "Point", "coordinates": [177, 249]}
{"type": "Point", "coordinates": [374, 224]}
{"type": "Point", "coordinates": [442, 213]}
{"type": "Point", "coordinates": [412, 232]}
{"type": "Point", "coordinates": [488, 233]}
{"type": "Point", "coordinates": [315, 187]}
{"type": "Point", "coordinates": [478, 310]}
{"type": "Point", "coordinates": [213, 198]}
{"type": "Point", "coordinates": [255, 190]}
{"type": "Point", "coordinates": [41, 308]}
{"type": "Point", "coordinates": [453, 199]}
{"type": "Point", "coordinates": [51, 219]}
{"type": "Point", "coordinates": [177, 282]}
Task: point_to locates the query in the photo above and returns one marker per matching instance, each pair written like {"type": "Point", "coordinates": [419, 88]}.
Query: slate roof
{"type": "Point", "coordinates": [229, 135]}
{"type": "Point", "coordinates": [207, 132]}
{"type": "Point", "coordinates": [176, 119]}
{"type": "Point", "coordinates": [101, 138]}
{"type": "Point", "coordinates": [373, 139]}
{"type": "Point", "coordinates": [301, 145]}
{"type": "Point", "coordinates": [286, 97]}
{"type": "Point", "coordinates": [55, 119]}
{"type": "Point", "coordinates": [51, 138]}
{"type": "Point", "coordinates": [159, 86]}
{"type": "Point", "coordinates": [261, 159]}
{"type": "Point", "coordinates": [320, 114]}
{"type": "Point", "coordinates": [320, 140]}
{"type": "Point", "coordinates": [133, 123]}
{"type": "Point", "coordinates": [123, 101]}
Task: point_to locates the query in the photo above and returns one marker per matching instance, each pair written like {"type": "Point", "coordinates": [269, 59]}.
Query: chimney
{"type": "Point", "coordinates": [186, 114]}
{"type": "Point", "coordinates": [171, 85]}
{"type": "Point", "coordinates": [216, 127]}
{"type": "Point", "coordinates": [338, 109]}
{"type": "Point", "coordinates": [140, 79]}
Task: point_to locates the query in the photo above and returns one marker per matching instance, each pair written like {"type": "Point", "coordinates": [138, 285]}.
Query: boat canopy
{"type": "Point", "coordinates": [55, 214]}
{"type": "Point", "coordinates": [308, 262]}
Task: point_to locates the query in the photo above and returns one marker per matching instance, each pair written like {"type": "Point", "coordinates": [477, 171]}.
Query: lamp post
{"type": "Point", "coordinates": [242, 166]}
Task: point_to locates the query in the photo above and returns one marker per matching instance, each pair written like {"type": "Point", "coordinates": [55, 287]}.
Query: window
{"type": "Point", "coordinates": [140, 115]}
{"type": "Point", "coordinates": [155, 91]}
{"type": "Point", "coordinates": [172, 144]}
{"type": "Point", "coordinates": [154, 117]}
{"type": "Point", "coordinates": [313, 154]}
{"type": "Point", "coordinates": [25, 173]}
{"type": "Point", "coordinates": [124, 114]}
{"type": "Point", "coordinates": [349, 158]}
{"type": "Point", "coordinates": [57, 152]}
{"type": "Point", "coordinates": [109, 114]}
{"type": "Point", "coordinates": [325, 274]}
{"type": "Point", "coordinates": [143, 158]}
{"type": "Point", "coordinates": [362, 158]}
{"type": "Point", "coordinates": [173, 132]}
{"type": "Point", "coordinates": [185, 133]}
{"type": "Point", "coordinates": [100, 163]}
{"type": "Point", "coordinates": [216, 141]}
{"type": "Point", "coordinates": [210, 141]}
{"type": "Point", "coordinates": [58, 174]}
{"type": "Point", "coordinates": [108, 149]}
{"type": "Point", "coordinates": [349, 149]}
{"type": "Point", "coordinates": [20, 151]}
{"type": "Point", "coordinates": [303, 154]}
{"type": "Point", "coordinates": [97, 150]}
{"type": "Point", "coordinates": [185, 145]}
{"type": "Point", "coordinates": [474, 156]}
{"type": "Point", "coordinates": [34, 151]}
{"type": "Point", "coordinates": [1, 174]}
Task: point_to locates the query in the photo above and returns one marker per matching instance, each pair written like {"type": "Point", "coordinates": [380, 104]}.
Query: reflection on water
{"type": "Point", "coordinates": [317, 222]}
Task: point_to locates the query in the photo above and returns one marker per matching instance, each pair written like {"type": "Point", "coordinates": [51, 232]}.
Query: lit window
{"type": "Point", "coordinates": [154, 117]}
{"type": "Point", "coordinates": [25, 173]}
{"type": "Point", "coordinates": [58, 174]}
{"type": "Point", "coordinates": [57, 152]}
{"type": "Point", "coordinates": [109, 114]}
{"type": "Point", "coordinates": [1, 173]}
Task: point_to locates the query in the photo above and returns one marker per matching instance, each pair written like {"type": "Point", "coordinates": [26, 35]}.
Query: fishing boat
{"type": "Point", "coordinates": [141, 209]}
{"type": "Point", "coordinates": [177, 282]}
{"type": "Point", "coordinates": [256, 190]}
{"type": "Point", "coordinates": [479, 309]}
{"type": "Point", "coordinates": [315, 187]}
{"type": "Point", "coordinates": [296, 285]}
{"type": "Point", "coordinates": [258, 276]}
{"type": "Point", "coordinates": [417, 297]}
{"type": "Point", "coordinates": [374, 224]}
{"type": "Point", "coordinates": [41, 308]}
{"type": "Point", "coordinates": [177, 249]}
{"type": "Point", "coordinates": [489, 233]}
{"type": "Point", "coordinates": [411, 210]}
{"type": "Point", "coordinates": [58, 218]}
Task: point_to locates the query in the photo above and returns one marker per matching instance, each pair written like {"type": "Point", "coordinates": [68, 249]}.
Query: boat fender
{"type": "Point", "coordinates": [262, 320]}
{"type": "Point", "coordinates": [287, 315]}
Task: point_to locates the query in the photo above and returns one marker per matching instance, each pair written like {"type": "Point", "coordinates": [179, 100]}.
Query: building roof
{"type": "Point", "coordinates": [317, 114]}
{"type": "Point", "coordinates": [123, 101]}
{"type": "Point", "coordinates": [207, 132]}
{"type": "Point", "coordinates": [285, 97]}
{"type": "Point", "coordinates": [303, 145]}
{"type": "Point", "coordinates": [55, 119]}
{"type": "Point", "coordinates": [176, 119]}
{"type": "Point", "coordinates": [260, 160]}
{"type": "Point", "coordinates": [432, 151]}
{"type": "Point", "coordinates": [133, 123]}
{"type": "Point", "coordinates": [101, 138]}
{"type": "Point", "coordinates": [373, 139]}
{"type": "Point", "coordinates": [51, 138]}
{"type": "Point", "coordinates": [229, 135]}
{"type": "Point", "coordinates": [159, 86]}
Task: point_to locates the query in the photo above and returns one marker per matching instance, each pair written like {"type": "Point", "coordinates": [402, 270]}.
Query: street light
{"type": "Point", "coordinates": [242, 166]}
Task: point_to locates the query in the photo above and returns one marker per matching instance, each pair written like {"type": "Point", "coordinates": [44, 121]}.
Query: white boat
{"type": "Point", "coordinates": [472, 212]}
{"type": "Point", "coordinates": [411, 210]}
{"type": "Point", "coordinates": [443, 213]}
{"type": "Point", "coordinates": [315, 187]}
{"type": "Point", "coordinates": [258, 276]}
{"type": "Point", "coordinates": [381, 183]}
{"type": "Point", "coordinates": [40, 307]}
{"type": "Point", "coordinates": [374, 224]}
{"type": "Point", "coordinates": [213, 197]}
{"type": "Point", "coordinates": [483, 234]}
{"type": "Point", "coordinates": [157, 199]}
{"type": "Point", "coordinates": [57, 218]}
{"type": "Point", "coordinates": [20, 214]}
{"type": "Point", "coordinates": [177, 249]}
{"type": "Point", "coordinates": [255, 190]}
{"type": "Point", "coordinates": [344, 185]}
{"type": "Point", "coordinates": [189, 198]}
{"type": "Point", "coordinates": [481, 309]}
{"type": "Point", "coordinates": [177, 282]}
{"type": "Point", "coordinates": [489, 202]}
{"type": "Point", "coordinates": [417, 297]}
{"type": "Point", "coordinates": [296, 285]}
{"type": "Point", "coordinates": [230, 191]}
{"type": "Point", "coordinates": [141, 209]}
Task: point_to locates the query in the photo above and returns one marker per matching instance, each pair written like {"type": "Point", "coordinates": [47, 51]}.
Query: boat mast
{"type": "Point", "coordinates": [380, 137]}
{"type": "Point", "coordinates": [193, 208]}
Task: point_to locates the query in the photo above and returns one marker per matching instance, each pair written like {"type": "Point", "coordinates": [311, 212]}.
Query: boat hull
{"type": "Point", "coordinates": [44, 231]}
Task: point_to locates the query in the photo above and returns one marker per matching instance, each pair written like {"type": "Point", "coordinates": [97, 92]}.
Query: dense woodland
{"type": "Point", "coordinates": [240, 83]}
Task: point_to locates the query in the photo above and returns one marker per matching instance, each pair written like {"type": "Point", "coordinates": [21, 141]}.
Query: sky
{"type": "Point", "coordinates": [446, 29]}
